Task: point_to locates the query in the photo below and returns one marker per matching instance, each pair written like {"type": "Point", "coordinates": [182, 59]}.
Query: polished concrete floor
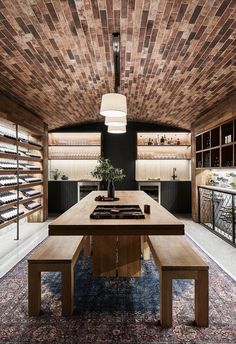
{"type": "Point", "coordinates": [31, 234]}
{"type": "Point", "coordinates": [12, 250]}
{"type": "Point", "coordinates": [220, 251]}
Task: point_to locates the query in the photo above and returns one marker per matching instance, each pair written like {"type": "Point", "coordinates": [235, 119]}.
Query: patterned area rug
{"type": "Point", "coordinates": [115, 310]}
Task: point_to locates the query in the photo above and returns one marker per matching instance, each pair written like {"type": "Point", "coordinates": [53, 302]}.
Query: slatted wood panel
{"type": "Point", "coordinates": [177, 57]}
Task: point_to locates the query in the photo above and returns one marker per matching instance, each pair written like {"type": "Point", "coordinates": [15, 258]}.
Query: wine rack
{"type": "Point", "coordinates": [216, 148]}
{"type": "Point", "coordinates": [23, 174]}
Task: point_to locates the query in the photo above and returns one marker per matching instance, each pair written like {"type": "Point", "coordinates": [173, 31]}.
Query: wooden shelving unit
{"type": "Point", "coordinates": [216, 148]}
{"type": "Point", "coordinates": [19, 139]}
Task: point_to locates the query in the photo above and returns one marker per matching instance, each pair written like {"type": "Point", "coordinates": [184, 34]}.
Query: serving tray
{"type": "Point", "coordinates": [117, 212]}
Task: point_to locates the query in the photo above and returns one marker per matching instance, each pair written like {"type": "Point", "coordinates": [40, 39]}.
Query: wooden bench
{"type": "Point", "coordinates": [58, 253]}
{"type": "Point", "coordinates": [175, 259]}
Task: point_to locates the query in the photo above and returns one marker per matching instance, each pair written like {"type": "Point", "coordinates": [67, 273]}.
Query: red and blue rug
{"type": "Point", "coordinates": [115, 310]}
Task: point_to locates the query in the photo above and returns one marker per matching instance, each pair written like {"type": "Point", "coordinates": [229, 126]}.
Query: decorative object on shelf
{"type": "Point", "coordinates": [162, 140]}
{"type": "Point", "coordinates": [106, 171]}
{"type": "Point", "coordinates": [64, 177]}
{"type": "Point", "coordinates": [115, 121]}
{"type": "Point", "coordinates": [56, 174]}
{"type": "Point", "coordinates": [121, 129]}
{"type": "Point", "coordinates": [150, 142]}
{"type": "Point", "coordinates": [174, 175]}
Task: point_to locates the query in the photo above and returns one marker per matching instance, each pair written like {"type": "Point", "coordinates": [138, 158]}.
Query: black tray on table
{"type": "Point", "coordinates": [117, 212]}
{"type": "Point", "coordinates": [106, 199]}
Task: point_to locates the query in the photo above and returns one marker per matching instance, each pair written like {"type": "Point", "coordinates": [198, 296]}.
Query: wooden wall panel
{"type": "Point", "coordinates": [177, 57]}
{"type": "Point", "coordinates": [13, 112]}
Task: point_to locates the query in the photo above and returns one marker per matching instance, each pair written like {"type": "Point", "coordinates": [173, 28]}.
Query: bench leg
{"type": "Point", "coordinates": [67, 278]}
{"type": "Point", "coordinates": [87, 247]}
{"type": "Point", "coordinates": [165, 299]}
{"type": "Point", "coordinates": [201, 299]}
{"type": "Point", "coordinates": [34, 290]}
{"type": "Point", "coordinates": [145, 248]}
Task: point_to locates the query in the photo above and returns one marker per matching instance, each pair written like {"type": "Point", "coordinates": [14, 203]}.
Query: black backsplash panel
{"type": "Point", "coordinates": [120, 148]}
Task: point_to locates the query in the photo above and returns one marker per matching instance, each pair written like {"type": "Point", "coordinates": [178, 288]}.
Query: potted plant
{"type": "Point", "coordinates": [56, 174]}
{"type": "Point", "coordinates": [106, 171]}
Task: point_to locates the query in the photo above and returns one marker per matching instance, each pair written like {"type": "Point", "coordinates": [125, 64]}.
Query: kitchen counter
{"type": "Point", "coordinates": [76, 180]}
{"type": "Point", "coordinates": [162, 180]}
{"type": "Point", "coordinates": [174, 195]}
{"type": "Point", "coordinates": [63, 194]}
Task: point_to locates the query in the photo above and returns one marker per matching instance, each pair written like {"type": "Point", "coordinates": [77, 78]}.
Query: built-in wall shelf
{"type": "Point", "coordinates": [164, 146]}
{"type": "Point", "coordinates": [216, 148]}
{"type": "Point", "coordinates": [23, 153]}
{"type": "Point", "coordinates": [74, 146]}
{"type": "Point", "coordinates": [162, 155]}
{"type": "Point", "coordinates": [69, 151]}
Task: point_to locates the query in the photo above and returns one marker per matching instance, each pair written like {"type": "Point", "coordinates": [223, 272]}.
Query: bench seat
{"type": "Point", "coordinates": [175, 259]}
{"type": "Point", "coordinates": [57, 253]}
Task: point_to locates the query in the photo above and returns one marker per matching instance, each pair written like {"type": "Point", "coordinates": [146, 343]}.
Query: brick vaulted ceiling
{"type": "Point", "coordinates": [177, 57]}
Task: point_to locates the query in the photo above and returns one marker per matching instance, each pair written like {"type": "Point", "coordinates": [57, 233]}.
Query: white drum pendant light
{"type": "Point", "coordinates": [113, 105]}
{"type": "Point", "coordinates": [116, 129]}
{"type": "Point", "coordinates": [115, 121]}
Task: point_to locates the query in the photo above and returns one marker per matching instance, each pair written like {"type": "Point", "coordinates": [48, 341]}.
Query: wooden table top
{"type": "Point", "coordinates": [76, 220]}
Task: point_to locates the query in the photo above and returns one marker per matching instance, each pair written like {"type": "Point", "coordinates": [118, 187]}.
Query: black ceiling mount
{"type": "Point", "coordinates": [116, 56]}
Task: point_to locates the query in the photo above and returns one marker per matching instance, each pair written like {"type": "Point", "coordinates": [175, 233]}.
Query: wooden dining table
{"type": "Point", "coordinates": [117, 243]}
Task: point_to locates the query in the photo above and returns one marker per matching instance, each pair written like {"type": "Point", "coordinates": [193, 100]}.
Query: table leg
{"type": "Point", "coordinates": [129, 254]}
{"type": "Point", "coordinates": [104, 255]}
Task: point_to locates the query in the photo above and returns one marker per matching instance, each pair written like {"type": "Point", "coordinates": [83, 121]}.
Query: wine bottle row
{"type": "Point", "coordinates": [22, 138]}
{"type": "Point", "coordinates": [12, 180]}
{"type": "Point", "coordinates": [10, 196]}
{"type": "Point", "coordinates": [12, 212]}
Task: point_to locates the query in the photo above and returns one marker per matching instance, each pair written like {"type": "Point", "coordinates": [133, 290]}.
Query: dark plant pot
{"type": "Point", "coordinates": [111, 189]}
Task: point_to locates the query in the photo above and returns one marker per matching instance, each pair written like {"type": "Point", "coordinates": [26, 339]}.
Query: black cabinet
{"type": "Point", "coordinates": [62, 195]}
{"type": "Point", "coordinates": [176, 196]}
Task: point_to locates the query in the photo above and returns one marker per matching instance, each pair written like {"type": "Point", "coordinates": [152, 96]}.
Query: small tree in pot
{"type": "Point", "coordinates": [106, 171]}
